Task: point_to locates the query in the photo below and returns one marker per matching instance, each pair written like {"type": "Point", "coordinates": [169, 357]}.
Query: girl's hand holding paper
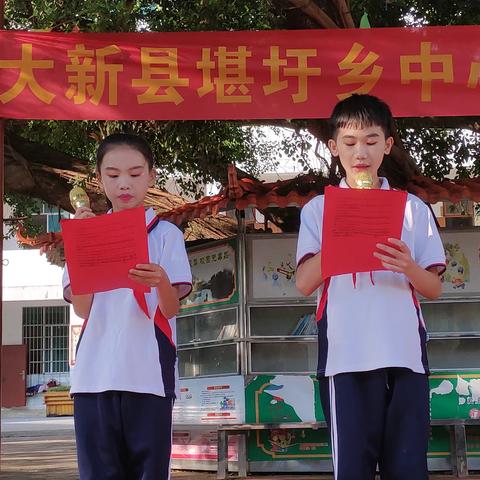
{"type": "Point", "coordinates": [149, 274]}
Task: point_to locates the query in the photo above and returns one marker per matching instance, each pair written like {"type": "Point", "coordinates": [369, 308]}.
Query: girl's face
{"type": "Point", "coordinates": [361, 150]}
{"type": "Point", "coordinates": [125, 177]}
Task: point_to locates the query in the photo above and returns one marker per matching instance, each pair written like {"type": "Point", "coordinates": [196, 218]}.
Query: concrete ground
{"type": "Point", "coordinates": [38, 448]}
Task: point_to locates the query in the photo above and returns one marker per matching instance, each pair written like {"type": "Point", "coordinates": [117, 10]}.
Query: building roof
{"type": "Point", "coordinates": [296, 192]}
{"type": "Point", "coordinates": [206, 222]}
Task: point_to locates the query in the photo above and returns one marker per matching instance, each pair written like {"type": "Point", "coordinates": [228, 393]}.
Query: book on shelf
{"type": "Point", "coordinates": [311, 326]}
{"type": "Point", "coordinates": [299, 326]}
{"type": "Point", "coordinates": [306, 325]}
{"type": "Point", "coordinates": [227, 331]}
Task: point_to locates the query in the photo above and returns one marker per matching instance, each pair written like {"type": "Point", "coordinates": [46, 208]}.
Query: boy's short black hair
{"type": "Point", "coordinates": [361, 111]}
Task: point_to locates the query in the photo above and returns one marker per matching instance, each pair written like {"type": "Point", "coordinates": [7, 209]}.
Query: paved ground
{"type": "Point", "coordinates": [52, 457]}
{"type": "Point", "coordinates": [13, 424]}
{"type": "Point", "coordinates": [38, 448]}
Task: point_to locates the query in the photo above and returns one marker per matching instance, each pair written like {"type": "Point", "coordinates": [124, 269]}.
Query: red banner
{"type": "Point", "coordinates": [431, 71]}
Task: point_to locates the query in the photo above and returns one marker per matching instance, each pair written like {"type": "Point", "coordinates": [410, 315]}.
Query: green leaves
{"type": "Point", "coordinates": [23, 210]}
{"type": "Point", "coordinates": [437, 151]}
{"type": "Point", "coordinates": [399, 13]}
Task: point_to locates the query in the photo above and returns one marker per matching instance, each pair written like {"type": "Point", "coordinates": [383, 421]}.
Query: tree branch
{"type": "Point", "coordinates": [345, 14]}
{"type": "Point", "coordinates": [51, 180]}
{"type": "Point", "coordinates": [313, 11]}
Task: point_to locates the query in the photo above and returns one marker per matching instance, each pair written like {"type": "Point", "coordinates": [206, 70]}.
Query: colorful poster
{"type": "Point", "coordinates": [311, 444]}
{"type": "Point", "coordinates": [289, 444]}
{"type": "Point", "coordinates": [210, 401]}
{"type": "Point", "coordinates": [430, 71]}
{"type": "Point", "coordinates": [283, 398]}
{"type": "Point", "coordinates": [455, 395]}
{"type": "Point", "coordinates": [214, 281]}
{"type": "Point", "coordinates": [271, 267]}
{"type": "Point", "coordinates": [462, 251]}
{"type": "Point", "coordinates": [198, 445]}
{"type": "Point", "coordinates": [295, 398]}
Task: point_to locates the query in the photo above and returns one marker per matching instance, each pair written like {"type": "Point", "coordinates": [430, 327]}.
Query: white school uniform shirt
{"type": "Point", "coordinates": [120, 348]}
{"type": "Point", "coordinates": [372, 320]}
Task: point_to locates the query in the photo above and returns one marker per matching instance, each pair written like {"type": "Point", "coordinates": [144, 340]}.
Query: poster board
{"type": "Point", "coordinates": [462, 251]}
{"type": "Point", "coordinates": [214, 277]}
{"type": "Point", "coordinates": [295, 398]}
{"type": "Point", "coordinates": [213, 400]}
{"type": "Point", "coordinates": [272, 267]}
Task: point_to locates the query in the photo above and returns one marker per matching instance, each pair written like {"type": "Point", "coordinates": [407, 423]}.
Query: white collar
{"type": "Point", "coordinates": [149, 214]}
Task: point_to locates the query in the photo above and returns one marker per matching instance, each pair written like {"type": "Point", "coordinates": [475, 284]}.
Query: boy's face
{"type": "Point", "coordinates": [360, 150]}
{"type": "Point", "coordinates": [125, 177]}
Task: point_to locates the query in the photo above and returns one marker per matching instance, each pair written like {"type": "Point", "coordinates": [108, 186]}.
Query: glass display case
{"type": "Point", "coordinates": [453, 321]}
{"type": "Point", "coordinates": [454, 334]}
{"type": "Point", "coordinates": [245, 315]}
{"type": "Point", "coordinates": [245, 319]}
{"type": "Point", "coordinates": [210, 326]}
{"type": "Point", "coordinates": [208, 323]}
{"type": "Point", "coordinates": [208, 360]}
{"type": "Point", "coordinates": [281, 323]}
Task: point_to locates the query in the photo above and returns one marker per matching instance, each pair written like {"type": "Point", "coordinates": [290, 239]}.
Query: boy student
{"type": "Point", "coordinates": [124, 379]}
{"type": "Point", "coordinates": [372, 363]}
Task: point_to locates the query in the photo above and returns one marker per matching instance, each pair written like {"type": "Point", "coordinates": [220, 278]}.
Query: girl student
{"type": "Point", "coordinates": [125, 376]}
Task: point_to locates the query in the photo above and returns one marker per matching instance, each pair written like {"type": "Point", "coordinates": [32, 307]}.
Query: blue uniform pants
{"type": "Point", "coordinates": [378, 417]}
{"type": "Point", "coordinates": [123, 435]}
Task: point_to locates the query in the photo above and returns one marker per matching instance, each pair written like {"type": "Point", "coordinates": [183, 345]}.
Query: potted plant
{"type": "Point", "coordinates": [58, 401]}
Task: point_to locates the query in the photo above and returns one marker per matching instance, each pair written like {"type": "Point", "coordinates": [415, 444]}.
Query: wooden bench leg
{"type": "Point", "coordinates": [460, 451]}
{"type": "Point", "coordinates": [453, 451]}
{"type": "Point", "coordinates": [222, 455]}
{"type": "Point", "coordinates": [242, 455]}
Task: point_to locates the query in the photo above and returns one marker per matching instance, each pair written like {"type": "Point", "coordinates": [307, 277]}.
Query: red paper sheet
{"type": "Point", "coordinates": [354, 221]}
{"type": "Point", "coordinates": [100, 251]}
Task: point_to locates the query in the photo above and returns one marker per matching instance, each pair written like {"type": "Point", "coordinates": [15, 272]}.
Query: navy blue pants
{"type": "Point", "coordinates": [123, 435]}
{"type": "Point", "coordinates": [381, 416]}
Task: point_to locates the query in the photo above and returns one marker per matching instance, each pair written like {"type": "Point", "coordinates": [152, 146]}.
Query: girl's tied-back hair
{"type": "Point", "coordinates": [135, 142]}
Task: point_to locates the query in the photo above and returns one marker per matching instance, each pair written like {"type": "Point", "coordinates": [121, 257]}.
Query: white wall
{"type": "Point", "coordinates": [28, 280]}
{"type": "Point", "coordinates": [12, 323]}
{"type": "Point", "coordinates": [12, 318]}
{"type": "Point", "coordinates": [27, 275]}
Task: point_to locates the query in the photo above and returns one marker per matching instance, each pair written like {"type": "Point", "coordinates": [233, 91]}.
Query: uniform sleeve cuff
{"type": "Point", "coordinates": [184, 289]}
{"type": "Point", "coordinates": [441, 267]}
{"type": "Point", "coordinates": [305, 258]}
{"type": "Point", "coordinates": [67, 293]}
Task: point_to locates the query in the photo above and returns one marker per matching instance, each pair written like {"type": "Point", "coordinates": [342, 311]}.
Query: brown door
{"type": "Point", "coordinates": [14, 366]}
